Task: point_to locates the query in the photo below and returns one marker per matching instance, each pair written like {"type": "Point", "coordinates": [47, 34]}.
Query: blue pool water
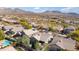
{"type": "Point", "coordinates": [6, 43]}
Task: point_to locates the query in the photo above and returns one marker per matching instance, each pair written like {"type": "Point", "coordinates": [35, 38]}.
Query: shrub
{"type": "Point", "coordinates": [25, 40]}
{"type": "Point", "coordinates": [2, 36]}
{"type": "Point", "coordinates": [74, 35]}
{"type": "Point", "coordinates": [25, 24]}
{"type": "Point", "coordinates": [37, 46]}
{"type": "Point", "coordinates": [45, 48]}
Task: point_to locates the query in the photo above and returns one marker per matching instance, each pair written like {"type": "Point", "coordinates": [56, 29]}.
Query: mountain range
{"type": "Point", "coordinates": [49, 13]}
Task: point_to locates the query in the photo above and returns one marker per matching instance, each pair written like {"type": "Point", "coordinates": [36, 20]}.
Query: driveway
{"type": "Point", "coordinates": [9, 48]}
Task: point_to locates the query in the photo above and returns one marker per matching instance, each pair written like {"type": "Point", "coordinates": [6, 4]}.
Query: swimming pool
{"type": "Point", "coordinates": [6, 43]}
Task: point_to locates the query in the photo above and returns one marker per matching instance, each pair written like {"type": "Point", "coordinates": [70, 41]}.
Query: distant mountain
{"type": "Point", "coordinates": [58, 13]}
{"type": "Point", "coordinates": [73, 13]}
{"type": "Point", "coordinates": [13, 11]}
{"type": "Point", "coordinates": [46, 14]}
{"type": "Point", "coordinates": [52, 12]}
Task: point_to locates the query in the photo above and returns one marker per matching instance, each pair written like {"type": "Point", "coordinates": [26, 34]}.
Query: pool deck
{"type": "Point", "coordinates": [9, 48]}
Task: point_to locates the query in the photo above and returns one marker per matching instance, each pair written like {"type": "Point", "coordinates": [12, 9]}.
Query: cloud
{"type": "Point", "coordinates": [37, 8]}
{"type": "Point", "coordinates": [67, 9]}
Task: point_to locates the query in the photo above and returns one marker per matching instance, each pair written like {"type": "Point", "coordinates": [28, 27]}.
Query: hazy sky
{"type": "Point", "coordinates": [42, 9]}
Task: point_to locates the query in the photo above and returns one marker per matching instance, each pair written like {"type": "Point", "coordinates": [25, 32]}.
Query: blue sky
{"type": "Point", "coordinates": [42, 9]}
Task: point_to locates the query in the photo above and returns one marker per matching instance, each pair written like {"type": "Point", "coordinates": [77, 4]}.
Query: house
{"type": "Point", "coordinates": [10, 20]}
{"type": "Point", "coordinates": [54, 47]}
{"type": "Point", "coordinates": [6, 28]}
{"type": "Point", "coordinates": [17, 29]}
{"type": "Point", "coordinates": [59, 28]}
{"type": "Point", "coordinates": [64, 43]}
{"type": "Point", "coordinates": [30, 32]}
{"type": "Point", "coordinates": [67, 21]}
{"type": "Point", "coordinates": [76, 22]}
{"type": "Point", "coordinates": [1, 25]}
{"type": "Point", "coordinates": [68, 30]}
{"type": "Point", "coordinates": [43, 37]}
{"type": "Point", "coordinates": [12, 28]}
{"type": "Point", "coordinates": [34, 24]}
